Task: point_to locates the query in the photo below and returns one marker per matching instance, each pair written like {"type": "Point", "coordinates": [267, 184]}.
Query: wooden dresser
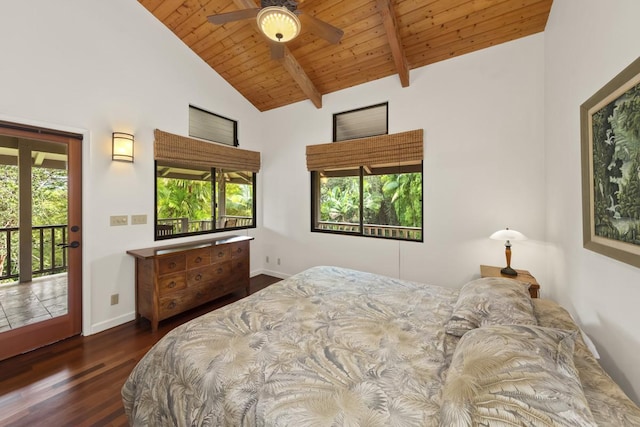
{"type": "Point", "coordinates": [172, 279]}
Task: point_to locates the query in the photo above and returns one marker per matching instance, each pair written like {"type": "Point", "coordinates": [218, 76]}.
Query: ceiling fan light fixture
{"type": "Point", "coordinates": [278, 23]}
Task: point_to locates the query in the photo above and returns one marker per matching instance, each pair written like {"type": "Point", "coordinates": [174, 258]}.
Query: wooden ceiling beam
{"type": "Point", "coordinates": [290, 64]}
{"type": "Point", "coordinates": [246, 4]}
{"type": "Point", "coordinates": [395, 42]}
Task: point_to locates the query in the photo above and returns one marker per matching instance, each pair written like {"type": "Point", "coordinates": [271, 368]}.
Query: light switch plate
{"type": "Point", "coordinates": [138, 219]}
{"type": "Point", "coordinates": [118, 220]}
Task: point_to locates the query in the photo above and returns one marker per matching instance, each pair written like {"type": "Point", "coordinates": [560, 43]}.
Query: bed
{"type": "Point", "coordinates": [333, 346]}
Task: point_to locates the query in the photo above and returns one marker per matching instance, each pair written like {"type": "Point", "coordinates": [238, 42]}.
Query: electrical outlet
{"type": "Point", "coordinates": [115, 298]}
{"type": "Point", "coordinates": [138, 219]}
{"type": "Point", "coordinates": [278, 261]}
{"type": "Point", "coordinates": [118, 220]}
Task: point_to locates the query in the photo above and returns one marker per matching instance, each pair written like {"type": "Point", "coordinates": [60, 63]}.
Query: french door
{"type": "Point", "coordinates": [40, 237]}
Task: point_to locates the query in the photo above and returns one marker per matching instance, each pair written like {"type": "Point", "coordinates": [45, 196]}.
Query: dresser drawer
{"type": "Point", "coordinates": [221, 271]}
{"type": "Point", "coordinates": [174, 303]}
{"type": "Point", "coordinates": [171, 264]}
{"type": "Point", "coordinates": [240, 266]}
{"type": "Point", "coordinates": [200, 275]}
{"type": "Point", "coordinates": [198, 258]}
{"type": "Point", "coordinates": [220, 254]}
{"type": "Point", "coordinates": [239, 250]}
{"type": "Point", "coordinates": [239, 278]}
{"type": "Point", "coordinates": [207, 292]}
{"type": "Point", "coordinates": [193, 296]}
{"type": "Point", "coordinates": [172, 283]}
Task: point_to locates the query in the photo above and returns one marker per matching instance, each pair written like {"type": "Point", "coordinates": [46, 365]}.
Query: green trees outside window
{"type": "Point", "coordinates": [48, 208]}
{"type": "Point", "coordinates": [369, 202]}
{"type": "Point", "coordinates": [192, 200]}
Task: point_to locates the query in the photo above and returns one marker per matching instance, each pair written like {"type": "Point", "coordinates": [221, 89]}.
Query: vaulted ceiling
{"type": "Point", "coordinates": [381, 38]}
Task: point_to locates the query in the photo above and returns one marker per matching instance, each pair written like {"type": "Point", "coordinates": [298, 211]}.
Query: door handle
{"type": "Point", "coordinates": [73, 244]}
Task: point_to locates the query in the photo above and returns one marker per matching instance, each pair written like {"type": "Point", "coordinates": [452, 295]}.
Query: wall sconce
{"type": "Point", "coordinates": [122, 147]}
{"type": "Point", "coordinates": [508, 235]}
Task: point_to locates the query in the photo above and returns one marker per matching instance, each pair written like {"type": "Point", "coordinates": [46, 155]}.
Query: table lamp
{"type": "Point", "coordinates": [508, 235]}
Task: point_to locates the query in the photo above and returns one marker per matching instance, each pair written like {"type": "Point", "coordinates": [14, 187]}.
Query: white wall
{"type": "Point", "coordinates": [94, 67]}
{"type": "Point", "coordinates": [482, 116]}
{"type": "Point", "coordinates": [587, 43]}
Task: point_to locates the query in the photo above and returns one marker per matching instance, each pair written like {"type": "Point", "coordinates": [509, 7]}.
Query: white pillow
{"type": "Point", "coordinates": [491, 301]}
{"type": "Point", "coordinates": [514, 375]}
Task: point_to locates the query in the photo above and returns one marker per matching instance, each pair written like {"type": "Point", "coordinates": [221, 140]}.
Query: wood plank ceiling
{"type": "Point", "coordinates": [381, 38]}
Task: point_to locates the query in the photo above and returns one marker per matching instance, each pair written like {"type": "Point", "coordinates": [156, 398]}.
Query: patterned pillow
{"type": "Point", "coordinates": [514, 375]}
{"type": "Point", "coordinates": [491, 301]}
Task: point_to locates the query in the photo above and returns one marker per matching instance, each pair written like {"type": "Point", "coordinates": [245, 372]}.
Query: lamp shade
{"type": "Point", "coordinates": [508, 234]}
{"type": "Point", "coordinates": [122, 147]}
{"type": "Point", "coordinates": [278, 23]}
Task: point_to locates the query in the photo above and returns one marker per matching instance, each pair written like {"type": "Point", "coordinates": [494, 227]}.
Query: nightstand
{"type": "Point", "coordinates": [523, 276]}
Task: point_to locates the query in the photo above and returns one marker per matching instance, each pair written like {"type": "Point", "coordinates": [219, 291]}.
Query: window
{"type": "Point", "coordinates": [202, 187]}
{"type": "Point", "coordinates": [200, 200]}
{"type": "Point", "coordinates": [361, 123]}
{"type": "Point", "coordinates": [212, 127]}
{"type": "Point", "coordinates": [369, 187]}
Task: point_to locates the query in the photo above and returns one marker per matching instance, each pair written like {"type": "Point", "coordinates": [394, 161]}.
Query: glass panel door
{"type": "Point", "coordinates": [40, 276]}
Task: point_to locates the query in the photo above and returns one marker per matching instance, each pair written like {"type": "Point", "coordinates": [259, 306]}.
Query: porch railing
{"type": "Point", "coordinates": [168, 226]}
{"type": "Point", "coordinates": [47, 257]}
{"type": "Point", "coordinates": [389, 231]}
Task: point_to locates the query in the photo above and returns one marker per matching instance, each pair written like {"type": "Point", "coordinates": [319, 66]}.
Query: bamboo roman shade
{"type": "Point", "coordinates": [398, 149]}
{"type": "Point", "coordinates": [188, 151]}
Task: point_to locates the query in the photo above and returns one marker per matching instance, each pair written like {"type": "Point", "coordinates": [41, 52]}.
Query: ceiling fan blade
{"type": "Point", "coordinates": [238, 15]}
{"type": "Point", "coordinates": [321, 28]}
{"type": "Point", "coordinates": [277, 50]}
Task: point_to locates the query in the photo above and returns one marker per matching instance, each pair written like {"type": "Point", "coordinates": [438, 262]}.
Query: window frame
{"type": "Point", "coordinates": [356, 110]}
{"type": "Point", "coordinates": [214, 217]}
{"type": "Point", "coordinates": [315, 207]}
{"type": "Point", "coordinates": [233, 122]}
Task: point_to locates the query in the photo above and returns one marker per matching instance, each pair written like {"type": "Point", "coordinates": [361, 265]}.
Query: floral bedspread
{"type": "Point", "coordinates": [328, 346]}
{"type": "Point", "coordinates": [609, 405]}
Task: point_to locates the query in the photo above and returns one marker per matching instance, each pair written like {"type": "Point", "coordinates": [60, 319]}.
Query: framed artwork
{"type": "Point", "coordinates": [610, 138]}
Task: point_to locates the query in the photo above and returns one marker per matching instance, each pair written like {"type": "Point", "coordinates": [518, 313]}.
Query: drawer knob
{"type": "Point", "coordinates": [219, 270]}
{"type": "Point", "coordinates": [171, 305]}
{"type": "Point", "coordinates": [198, 260]}
{"type": "Point", "coordinates": [172, 264]}
{"type": "Point", "coordinates": [172, 284]}
{"type": "Point", "coordinates": [199, 276]}
{"type": "Point", "coordinates": [239, 250]}
{"type": "Point", "coordinates": [220, 254]}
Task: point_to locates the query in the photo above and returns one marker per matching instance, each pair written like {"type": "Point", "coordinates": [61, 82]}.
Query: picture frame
{"type": "Point", "coordinates": [610, 156]}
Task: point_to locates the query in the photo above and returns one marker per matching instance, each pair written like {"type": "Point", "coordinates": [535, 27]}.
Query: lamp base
{"type": "Point", "coordinates": [509, 271]}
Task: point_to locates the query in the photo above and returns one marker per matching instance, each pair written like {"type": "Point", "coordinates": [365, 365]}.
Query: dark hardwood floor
{"type": "Point", "coordinates": [77, 382]}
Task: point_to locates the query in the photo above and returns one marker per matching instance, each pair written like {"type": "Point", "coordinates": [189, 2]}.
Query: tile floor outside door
{"type": "Point", "coordinates": [25, 303]}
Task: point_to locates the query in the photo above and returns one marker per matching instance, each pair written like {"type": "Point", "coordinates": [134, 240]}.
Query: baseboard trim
{"type": "Point", "coordinates": [112, 323]}
{"type": "Point", "coordinates": [277, 274]}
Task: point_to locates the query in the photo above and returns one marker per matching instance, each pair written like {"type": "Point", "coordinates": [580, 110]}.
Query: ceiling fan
{"type": "Point", "coordinates": [281, 21]}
